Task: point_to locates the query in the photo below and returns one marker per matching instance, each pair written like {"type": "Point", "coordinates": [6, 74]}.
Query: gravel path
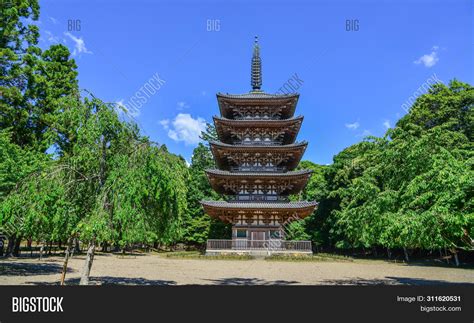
{"type": "Point", "coordinates": [152, 269]}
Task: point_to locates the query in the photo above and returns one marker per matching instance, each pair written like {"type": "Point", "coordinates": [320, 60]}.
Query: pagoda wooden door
{"type": "Point", "coordinates": [258, 235]}
{"type": "Point", "coordinates": [258, 238]}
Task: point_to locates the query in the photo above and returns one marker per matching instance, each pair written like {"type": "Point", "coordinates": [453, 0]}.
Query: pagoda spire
{"type": "Point", "coordinates": [256, 73]}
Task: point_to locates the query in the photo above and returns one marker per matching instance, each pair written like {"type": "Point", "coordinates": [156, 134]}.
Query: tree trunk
{"type": "Point", "coordinates": [76, 245]}
{"type": "Point", "coordinates": [456, 259]}
{"type": "Point", "coordinates": [10, 246]}
{"type": "Point", "coordinates": [2, 241]}
{"type": "Point", "coordinates": [375, 251]}
{"type": "Point", "coordinates": [41, 251]}
{"type": "Point", "coordinates": [30, 246]}
{"type": "Point", "coordinates": [389, 253]}
{"type": "Point", "coordinates": [16, 249]}
{"type": "Point", "coordinates": [405, 251]}
{"type": "Point", "coordinates": [86, 271]}
{"type": "Point", "coordinates": [66, 259]}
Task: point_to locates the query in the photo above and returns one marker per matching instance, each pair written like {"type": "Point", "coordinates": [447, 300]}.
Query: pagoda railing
{"type": "Point", "coordinates": [258, 143]}
{"type": "Point", "coordinates": [270, 245]}
{"type": "Point", "coordinates": [257, 197]}
{"type": "Point", "coordinates": [258, 118]}
{"type": "Point", "coordinates": [258, 169]}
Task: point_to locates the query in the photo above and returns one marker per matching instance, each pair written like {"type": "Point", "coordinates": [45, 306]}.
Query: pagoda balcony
{"type": "Point", "coordinates": [227, 156]}
{"type": "Point", "coordinates": [258, 143]}
{"type": "Point", "coordinates": [254, 117]}
{"type": "Point", "coordinates": [247, 246]}
{"type": "Point", "coordinates": [257, 197]}
{"type": "Point", "coordinates": [270, 169]}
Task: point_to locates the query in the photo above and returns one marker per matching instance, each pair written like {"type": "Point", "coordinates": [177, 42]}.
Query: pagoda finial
{"type": "Point", "coordinates": [256, 73]}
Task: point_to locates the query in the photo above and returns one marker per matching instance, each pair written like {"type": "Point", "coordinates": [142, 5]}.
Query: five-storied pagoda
{"type": "Point", "coordinates": [256, 157]}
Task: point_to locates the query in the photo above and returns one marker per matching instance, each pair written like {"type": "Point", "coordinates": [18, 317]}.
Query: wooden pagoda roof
{"type": "Point", "coordinates": [258, 95]}
{"type": "Point", "coordinates": [230, 210]}
{"type": "Point", "coordinates": [257, 100]}
{"type": "Point", "coordinates": [289, 127]}
{"type": "Point", "coordinates": [224, 182]}
{"type": "Point", "coordinates": [223, 153]}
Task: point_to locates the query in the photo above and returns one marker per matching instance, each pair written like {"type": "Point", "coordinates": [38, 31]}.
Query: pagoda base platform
{"type": "Point", "coordinates": [257, 247]}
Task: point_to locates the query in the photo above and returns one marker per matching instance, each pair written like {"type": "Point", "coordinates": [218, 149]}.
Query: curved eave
{"type": "Point", "coordinates": [259, 148]}
{"type": "Point", "coordinates": [257, 95]}
{"type": "Point", "coordinates": [295, 180]}
{"type": "Point", "coordinates": [225, 174]}
{"type": "Point", "coordinates": [221, 151]}
{"type": "Point", "coordinates": [257, 123]}
{"type": "Point", "coordinates": [222, 209]}
{"type": "Point", "coordinates": [255, 100]}
{"type": "Point", "coordinates": [225, 127]}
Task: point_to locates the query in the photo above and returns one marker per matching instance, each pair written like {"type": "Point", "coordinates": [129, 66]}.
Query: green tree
{"type": "Point", "coordinates": [30, 80]}
{"type": "Point", "coordinates": [199, 226]}
{"type": "Point", "coordinates": [413, 188]}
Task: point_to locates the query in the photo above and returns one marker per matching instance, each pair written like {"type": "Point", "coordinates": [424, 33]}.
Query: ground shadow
{"type": "Point", "coordinates": [249, 281]}
{"type": "Point", "coordinates": [390, 281]}
{"type": "Point", "coordinates": [421, 281]}
{"type": "Point", "coordinates": [109, 280]}
{"type": "Point", "coordinates": [29, 269]}
{"type": "Point", "coordinates": [438, 263]}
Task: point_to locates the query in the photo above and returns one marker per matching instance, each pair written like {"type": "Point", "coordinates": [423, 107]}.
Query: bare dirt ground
{"type": "Point", "coordinates": [153, 269]}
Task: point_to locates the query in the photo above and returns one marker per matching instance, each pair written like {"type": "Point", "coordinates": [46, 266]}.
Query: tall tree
{"type": "Point", "coordinates": [30, 80]}
{"type": "Point", "coordinates": [414, 188]}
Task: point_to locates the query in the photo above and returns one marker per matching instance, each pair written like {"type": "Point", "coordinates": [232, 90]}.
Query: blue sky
{"type": "Point", "coordinates": [354, 82]}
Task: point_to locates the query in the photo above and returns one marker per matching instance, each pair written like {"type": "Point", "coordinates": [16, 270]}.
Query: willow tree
{"type": "Point", "coordinates": [127, 190]}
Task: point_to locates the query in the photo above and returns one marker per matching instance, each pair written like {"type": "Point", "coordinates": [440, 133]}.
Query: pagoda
{"type": "Point", "coordinates": [256, 155]}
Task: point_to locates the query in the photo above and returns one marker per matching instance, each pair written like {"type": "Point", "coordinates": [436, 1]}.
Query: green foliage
{"type": "Point", "coordinates": [15, 163]}
{"type": "Point", "coordinates": [31, 81]}
{"type": "Point", "coordinates": [412, 189]}
{"type": "Point", "coordinates": [146, 197]}
{"type": "Point", "coordinates": [198, 226]}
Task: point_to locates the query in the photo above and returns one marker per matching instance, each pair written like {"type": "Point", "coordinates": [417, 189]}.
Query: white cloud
{"type": "Point", "coordinates": [429, 60]}
{"type": "Point", "coordinates": [79, 44]}
{"type": "Point", "coordinates": [165, 123]}
{"type": "Point", "coordinates": [386, 124]}
{"type": "Point", "coordinates": [352, 126]}
{"type": "Point", "coordinates": [182, 105]}
{"type": "Point", "coordinates": [185, 128]}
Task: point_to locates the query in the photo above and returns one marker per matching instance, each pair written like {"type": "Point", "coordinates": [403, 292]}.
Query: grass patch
{"type": "Point", "coordinates": [199, 255]}
{"type": "Point", "coordinates": [316, 257]}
